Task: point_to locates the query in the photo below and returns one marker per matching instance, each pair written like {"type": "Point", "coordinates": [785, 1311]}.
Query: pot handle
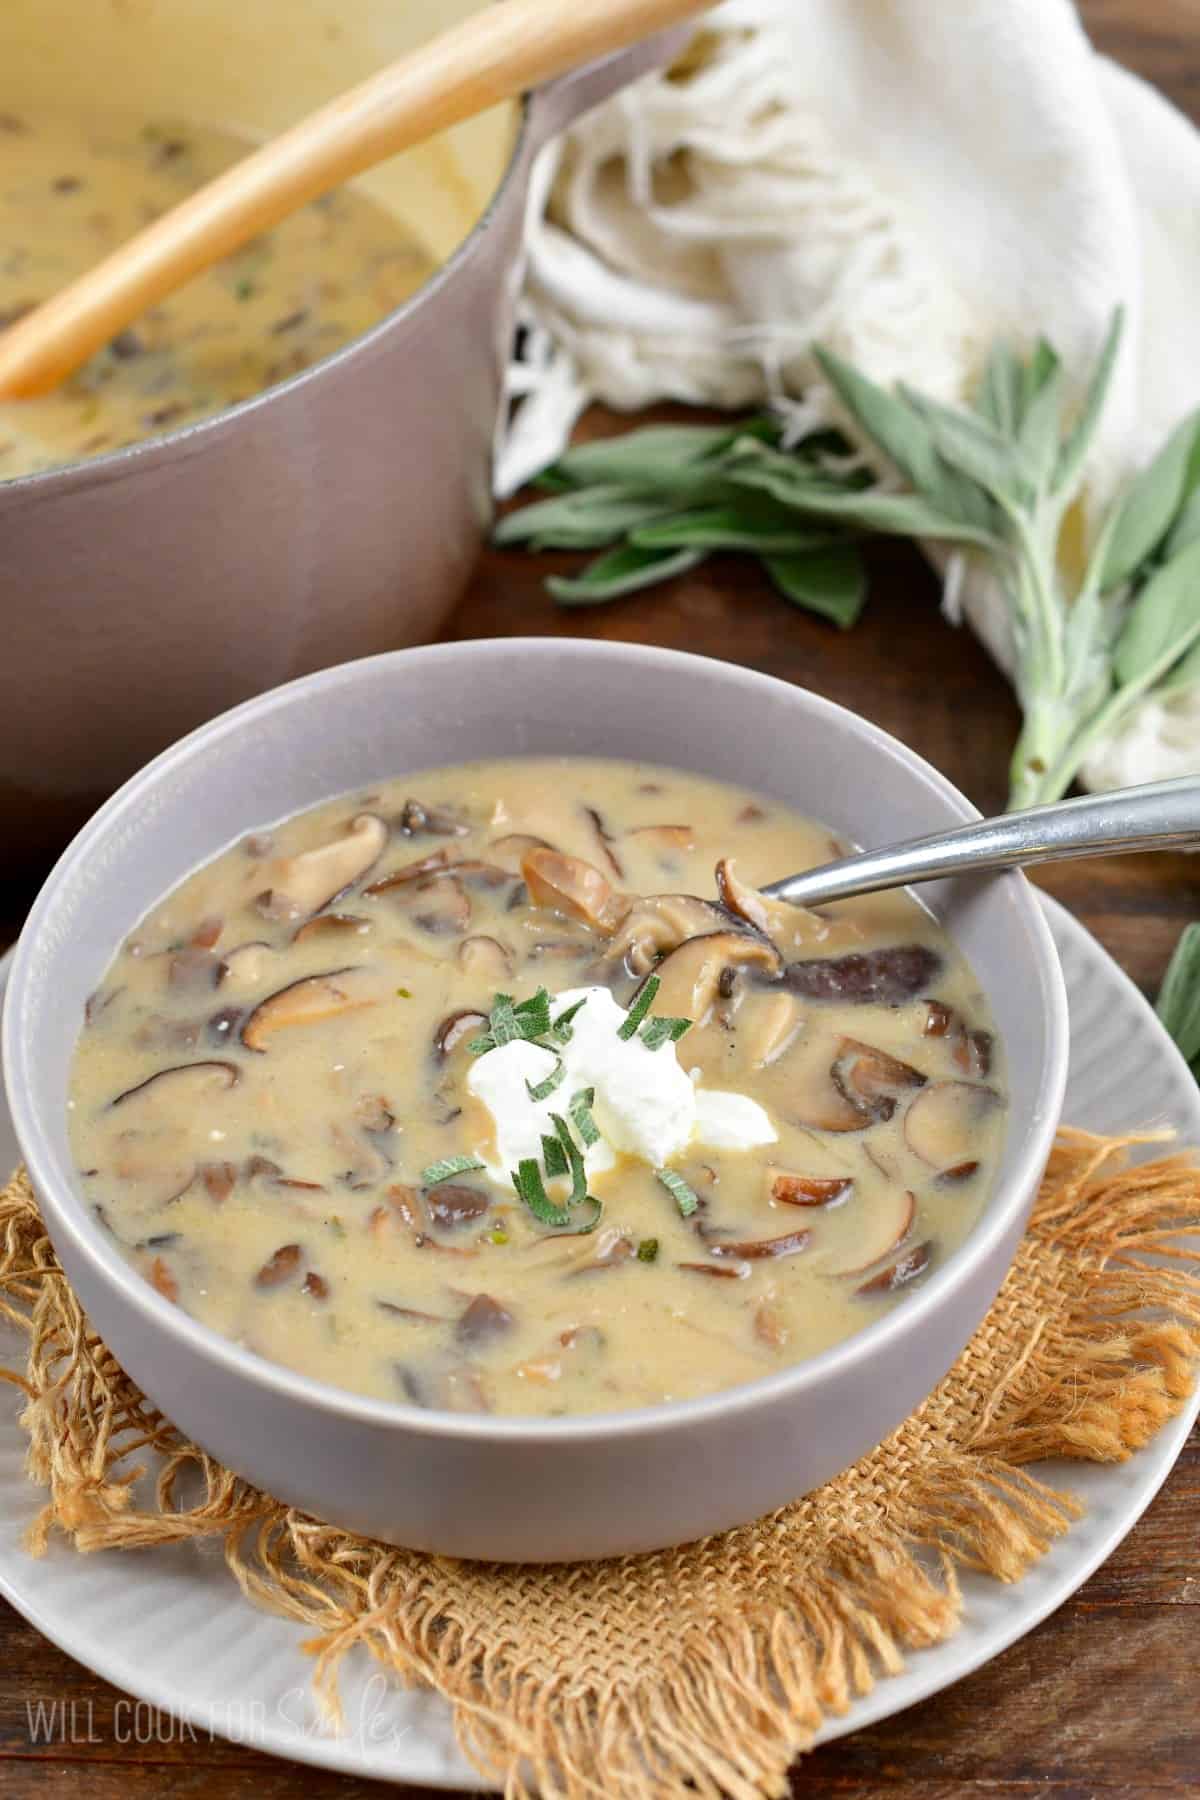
{"type": "Point", "coordinates": [556, 105]}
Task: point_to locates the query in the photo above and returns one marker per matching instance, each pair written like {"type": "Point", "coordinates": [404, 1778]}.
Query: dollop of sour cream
{"type": "Point", "coordinates": [646, 1104]}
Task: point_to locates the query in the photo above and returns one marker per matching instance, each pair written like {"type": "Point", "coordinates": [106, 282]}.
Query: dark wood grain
{"type": "Point", "coordinates": [1101, 1702]}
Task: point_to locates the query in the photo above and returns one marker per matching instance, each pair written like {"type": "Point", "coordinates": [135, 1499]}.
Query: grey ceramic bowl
{"type": "Point", "coordinates": [334, 516]}
{"type": "Point", "coordinates": [509, 1488]}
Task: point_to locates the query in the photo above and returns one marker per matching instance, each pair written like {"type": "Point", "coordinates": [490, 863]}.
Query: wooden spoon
{"type": "Point", "coordinates": [495, 55]}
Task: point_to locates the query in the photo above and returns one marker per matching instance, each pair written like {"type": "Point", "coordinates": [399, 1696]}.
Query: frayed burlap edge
{"type": "Point", "coordinates": [705, 1669]}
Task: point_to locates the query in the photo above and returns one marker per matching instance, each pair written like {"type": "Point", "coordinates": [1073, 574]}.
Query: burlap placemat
{"type": "Point", "coordinates": [703, 1670]}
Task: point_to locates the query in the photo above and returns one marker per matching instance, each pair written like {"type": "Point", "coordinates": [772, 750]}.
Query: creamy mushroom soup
{"type": "Point", "coordinates": [503, 1089]}
{"type": "Point", "coordinates": [72, 190]}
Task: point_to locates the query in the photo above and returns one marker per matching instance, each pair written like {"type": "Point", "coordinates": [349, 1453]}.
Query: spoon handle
{"type": "Point", "coordinates": [1162, 815]}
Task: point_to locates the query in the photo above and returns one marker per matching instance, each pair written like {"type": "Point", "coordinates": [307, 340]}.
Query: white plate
{"type": "Point", "coordinates": [171, 1628]}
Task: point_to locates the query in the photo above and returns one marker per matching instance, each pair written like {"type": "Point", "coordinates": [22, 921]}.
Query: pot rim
{"type": "Point", "coordinates": [66, 1213]}
{"type": "Point", "coordinates": [113, 465]}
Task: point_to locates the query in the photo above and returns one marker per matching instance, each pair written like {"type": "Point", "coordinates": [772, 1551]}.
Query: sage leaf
{"type": "Point", "coordinates": [1163, 622]}
{"type": "Point", "coordinates": [873, 509]}
{"type": "Point", "coordinates": [583, 520]}
{"type": "Point", "coordinates": [976, 449]}
{"type": "Point", "coordinates": [622, 571]}
{"type": "Point", "coordinates": [1183, 674]}
{"type": "Point", "coordinates": [1186, 528]}
{"type": "Point", "coordinates": [1151, 505]}
{"type": "Point", "coordinates": [1039, 435]}
{"type": "Point", "coordinates": [1075, 449]}
{"type": "Point", "coordinates": [896, 425]}
{"type": "Point", "coordinates": [749, 524]}
{"type": "Point", "coordinates": [831, 582]}
{"type": "Point", "coordinates": [1179, 999]}
{"type": "Point", "coordinates": [999, 398]}
{"type": "Point", "coordinates": [644, 454]}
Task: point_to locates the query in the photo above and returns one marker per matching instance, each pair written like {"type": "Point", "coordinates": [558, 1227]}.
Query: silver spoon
{"type": "Point", "coordinates": [1162, 815]}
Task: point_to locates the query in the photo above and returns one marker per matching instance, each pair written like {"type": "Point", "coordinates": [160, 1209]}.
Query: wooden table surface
{"type": "Point", "coordinates": [1104, 1698]}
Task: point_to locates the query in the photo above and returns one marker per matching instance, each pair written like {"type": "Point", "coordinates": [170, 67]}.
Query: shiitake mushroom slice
{"type": "Point", "coordinates": [809, 1190]}
{"type": "Point", "coordinates": [870, 1079]}
{"type": "Point", "coordinates": [943, 1119]}
{"type": "Point", "coordinates": [885, 977]}
{"type": "Point", "coordinates": [568, 884]}
{"type": "Point", "coordinates": [187, 1083]}
{"type": "Point", "coordinates": [689, 977]}
{"type": "Point", "coordinates": [898, 1274]}
{"type": "Point", "coordinates": [309, 1001]}
{"type": "Point", "coordinates": [305, 883]}
{"type": "Point", "coordinates": [883, 1227]}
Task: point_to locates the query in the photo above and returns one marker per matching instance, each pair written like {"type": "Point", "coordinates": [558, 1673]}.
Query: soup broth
{"type": "Point", "coordinates": [72, 190]}
{"type": "Point", "coordinates": [481, 1091]}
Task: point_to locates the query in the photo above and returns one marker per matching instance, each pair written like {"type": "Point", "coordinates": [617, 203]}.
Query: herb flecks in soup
{"type": "Point", "coordinates": [500, 1099]}
{"type": "Point", "coordinates": [71, 191]}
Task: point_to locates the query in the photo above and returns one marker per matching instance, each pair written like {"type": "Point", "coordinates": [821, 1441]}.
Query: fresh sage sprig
{"type": "Point", "coordinates": [1179, 998]}
{"type": "Point", "coordinates": [659, 500]}
{"type": "Point", "coordinates": [998, 481]}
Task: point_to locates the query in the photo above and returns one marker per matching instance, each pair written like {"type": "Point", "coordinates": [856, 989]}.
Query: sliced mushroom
{"type": "Point", "coordinates": [506, 852]}
{"type": "Point", "coordinates": [970, 1050]}
{"type": "Point", "coordinates": [789, 927]}
{"type": "Point", "coordinates": [455, 1029]}
{"type": "Point", "coordinates": [666, 839]}
{"type": "Point", "coordinates": [727, 1271]}
{"type": "Point", "coordinates": [608, 1249]}
{"type": "Point", "coordinates": [766, 1032]}
{"type": "Point", "coordinates": [770, 1325]}
{"type": "Point", "coordinates": [279, 1267]}
{"type": "Point", "coordinates": [441, 906]}
{"type": "Point", "coordinates": [962, 1171]}
{"type": "Point", "coordinates": [218, 1180]}
{"type": "Point", "coordinates": [942, 1120]}
{"type": "Point", "coordinates": [871, 1080]}
{"type": "Point", "coordinates": [866, 977]}
{"type": "Point", "coordinates": [572, 886]}
{"type": "Point", "coordinates": [248, 966]}
{"type": "Point", "coordinates": [332, 925]}
{"type": "Point", "coordinates": [605, 840]}
{"type": "Point", "coordinates": [162, 1280]}
{"type": "Point", "coordinates": [155, 1166]}
{"type": "Point", "coordinates": [808, 1190]}
{"type": "Point", "coordinates": [887, 1222]}
{"type": "Point", "coordinates": [689, 977]}
{"type": "Point", "coordinates": [788, 1244]}
{"type": "Point", "coordinates": [193, 971]}
{"type": "Point", "coordinates": [315, 1286]}
{"type": "Point", "coordinates": [187, 1084]}
{"type": "Point", "coordinates": [454, 1203]}
{"type": "Point", "coordinates": [303, 884]}
{"type": "Point", "coordinates": [483, 1320]}
{"type": "Point", "coordinates": [656, 924]}
{"type": "Point", "coordinates": [418, 820]}
{"type": "Point", "coordinates": [485, 958]}
{"type": "Point", "coordinates": [308, 1002]}
{"type": "Point", "coordinates": [413, 871]}
{"type": "Point", "coordinates": [365, 1164]}
{"type": "Point", "coordinates": [906, 1268]}
{"type": "Point", "coordinates": [207, 934]}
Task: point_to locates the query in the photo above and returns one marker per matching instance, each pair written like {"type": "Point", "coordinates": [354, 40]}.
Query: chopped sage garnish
{"type": "Point", "coordinates": [529, 1019]}
{"type": "Point", "coordinates": [680, 1192]}
{"type": "Point", "coordinates": [643, 1000]}
{"type": "Point", "coordinates": [659, 1031]}
{"type": "Point", "coordinates": [580, 1108]}
{"type": "Point", "coordinates": [561, 1028]}
{"type": "Point", "coordinates": [554, 1157]}
{"type": "Point", "coordinates": [527, 1179]}
{"type": "Point", "coordinates": [449, 1166]}
{"type": "Point", "coordinates": [647, 1250]}
{"type": "Point", "coordinates": [542, 1090]}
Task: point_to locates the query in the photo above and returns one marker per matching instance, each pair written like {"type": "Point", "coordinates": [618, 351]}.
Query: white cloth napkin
{"type": "Point", "coordinates": [904, 180]}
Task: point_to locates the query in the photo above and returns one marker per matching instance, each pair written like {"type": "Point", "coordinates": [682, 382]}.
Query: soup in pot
{"type": "Point", "coordinates": [72, 190]}
{"type": "Point", "coordinates": [505, 1089]}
